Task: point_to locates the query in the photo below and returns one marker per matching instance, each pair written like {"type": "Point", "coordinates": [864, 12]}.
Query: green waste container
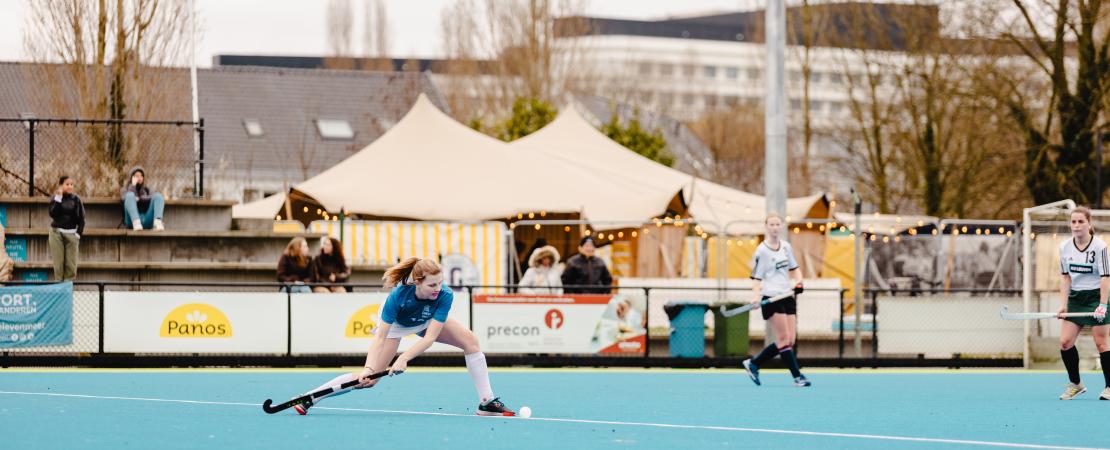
{"type": "Point", "coordinates": [730, 334]}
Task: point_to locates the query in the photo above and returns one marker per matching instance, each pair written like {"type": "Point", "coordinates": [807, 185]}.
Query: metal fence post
{"type": "Point", "coordinates": [31, 158]}
{"type": "Point", "coordinates": [470, 293]}
{"type": "Point", "coordinates": [875, 329]}
{"type": "Point", "coordinates": [647, 329]}
{"type": "Point", "coordinates": [840, 345]}
{"type": "Point", "coordinates": [289, 322]}
{"type": "Point", "coordinates": [100, 319]}
{"type": "Point", "coordinates": [200, 162]}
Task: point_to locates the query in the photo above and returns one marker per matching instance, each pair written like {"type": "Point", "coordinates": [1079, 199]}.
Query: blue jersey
{"type": "Point", "coordinates": [403, 308]}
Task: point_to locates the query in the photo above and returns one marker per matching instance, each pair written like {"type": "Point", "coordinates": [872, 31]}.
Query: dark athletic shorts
{"type": "Point", "coordinates": [786, 306]}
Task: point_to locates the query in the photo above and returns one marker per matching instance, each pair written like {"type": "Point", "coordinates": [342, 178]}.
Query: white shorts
{"type": "Point", "coordinates": [398, 332]}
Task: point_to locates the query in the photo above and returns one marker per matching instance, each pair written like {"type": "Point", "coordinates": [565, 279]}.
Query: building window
{"type": "Point", "coordinates": [732, 73]}
{"type": "Point", "coordinates": [711, 101]}
{"type": "Point", "coordinates": [666, 69]}
{"type": "Point", "coordinates": [666, 99]}
{"type": "Point", "coordinates": [709, 71]}
{"type": "Point", "coordinates": [754, 74]}
{"type": "Point", "coordinates": [835, 107]}
{"type": "Point", "coordinates": [795, 76]}
{"type": "Point", "coordinates": [688, 71]}
{"type": "Point", "coordinates": [816, 105]}
{"type": "Point", "coordinates": [253, 128]}
{"type": "Point", "coordinates": [645, 68]}
{"type": "Point", "coordinates": [796, 105]}
{"type": "Point", "coordinates": [335, 129]}
{"type": "Point", "coordinates": [815, 77]}
{"type": "Point", "coordinates": [688, 99]}
{"type": "Point", "coordinates": [836, 78]}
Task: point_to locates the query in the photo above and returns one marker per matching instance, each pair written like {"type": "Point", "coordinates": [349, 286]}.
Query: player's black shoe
{"type": "Point", "coordinates": [753, 371]}
{"type": "Point", "coordinates": [494, 407]}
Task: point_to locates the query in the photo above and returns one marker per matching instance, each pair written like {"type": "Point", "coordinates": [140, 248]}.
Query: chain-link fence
{"type": "Point", "coordinates": [98, 154]}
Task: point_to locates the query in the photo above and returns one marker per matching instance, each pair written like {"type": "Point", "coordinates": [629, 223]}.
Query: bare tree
{"type": "Point", "coordinates": [735, 136]}
{"type": "Point", "coordinates": [503, 50]}
{"type": "Point", "coordinates": [112, 60]}
{"type": "Point", "coordinates": [1058, 105]}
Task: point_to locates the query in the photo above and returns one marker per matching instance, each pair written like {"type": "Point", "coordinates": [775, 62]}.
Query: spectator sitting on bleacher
{"type": "Point", "coordinates": [141, 208]}
{"type": "Point", "coordinates": [295, 267]}
{"type": "Point", "coordinates": [331, 267]}
{"type": "Point", "coordinates": [6, 263]}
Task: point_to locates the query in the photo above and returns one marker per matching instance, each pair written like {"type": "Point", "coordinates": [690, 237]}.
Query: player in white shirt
{"type": "Point", "coordinates": [775, 272]}
{"type": "Point", "coordinates": [1086, 280]}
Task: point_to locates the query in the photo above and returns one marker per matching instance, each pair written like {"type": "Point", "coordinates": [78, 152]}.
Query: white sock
{"type": "Point", "coordinates": [334, 383]}
{"type": "Point", "coordinates": [476, 365]}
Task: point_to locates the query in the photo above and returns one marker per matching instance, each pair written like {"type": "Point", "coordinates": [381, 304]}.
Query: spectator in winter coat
{"type": "Point", "coordinates": [543, 274]}
{"type": "Point", "coordinates": [585, 269]}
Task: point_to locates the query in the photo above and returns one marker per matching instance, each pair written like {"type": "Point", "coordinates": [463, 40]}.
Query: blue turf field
{"type": "Point", "coordinates": [432, 408]}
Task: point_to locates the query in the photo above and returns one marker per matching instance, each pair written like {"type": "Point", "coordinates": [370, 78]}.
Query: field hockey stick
{"type": "Point", "coordinates": [749, 307]}
{"type": "Point", "coordinates": [1007, 315]}
{"type": "Point", "coordinates": [308, 399]}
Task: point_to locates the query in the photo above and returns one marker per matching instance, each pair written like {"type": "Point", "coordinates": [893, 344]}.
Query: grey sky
{"type": "Point", "coordinates": [297, 27]}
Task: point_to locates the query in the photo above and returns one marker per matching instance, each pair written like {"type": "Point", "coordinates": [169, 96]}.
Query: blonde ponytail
{"type": "Point", "coordinates": [413, 268]}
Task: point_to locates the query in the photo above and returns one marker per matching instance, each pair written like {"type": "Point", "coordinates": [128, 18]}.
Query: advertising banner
{"type": "Point", "coordinates": [32, 316]}
{"type": "Point", "coordinates": [195, 322]}
{"type": "Point", "coordinates": [572, 324]}
{"type": "Point", "coordinates": [344, 324]}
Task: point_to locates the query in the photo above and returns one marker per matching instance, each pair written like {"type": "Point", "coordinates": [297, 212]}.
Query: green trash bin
{"type": "Point", "coordinates": [730, 334]}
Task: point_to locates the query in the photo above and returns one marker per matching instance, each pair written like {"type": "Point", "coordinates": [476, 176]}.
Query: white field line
{"type": "Point", "coordinates": [595, 422]}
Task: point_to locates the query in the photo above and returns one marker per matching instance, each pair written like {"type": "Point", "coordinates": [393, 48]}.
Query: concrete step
{"type": "Point", "coordinates": [112, 245]}
{"type": "Point", "coordinates": [107, 212]}
{"type": "Point", "coordinates": [195, 272]}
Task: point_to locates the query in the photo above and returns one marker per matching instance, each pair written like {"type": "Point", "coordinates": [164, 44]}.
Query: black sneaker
{"type": "Point", "coordinates": [753, 371]}
{"type": "Point", "coordinates": [494, 407]}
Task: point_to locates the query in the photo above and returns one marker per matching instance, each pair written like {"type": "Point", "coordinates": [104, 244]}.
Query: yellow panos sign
{"type": "Point", "coordinates": [196, 320]}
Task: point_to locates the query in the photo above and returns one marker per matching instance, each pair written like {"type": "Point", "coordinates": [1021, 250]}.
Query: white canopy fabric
{"type": "Point", "coordinates": [570, 137]}
{"type": "Point", "coordinates": [265, 208]}
{"type": "Point", "coordinates": [430, 167]}
{"type": "Point", "coordinates": [885, 224]}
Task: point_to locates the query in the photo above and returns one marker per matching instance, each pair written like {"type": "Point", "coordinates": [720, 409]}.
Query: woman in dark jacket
{"type": "Point", "coordinates": [68, 224]}
{"type": "Point", "coordinates": [330, 267]}
{"type": "Point", "coordinates": [295, 266]}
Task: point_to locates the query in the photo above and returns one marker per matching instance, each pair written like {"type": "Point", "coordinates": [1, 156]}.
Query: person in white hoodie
{"type": "Point", "coordinates": [543, 274]}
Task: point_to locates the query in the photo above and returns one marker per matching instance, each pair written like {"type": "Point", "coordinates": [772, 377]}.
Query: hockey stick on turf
{"type": "Point", "coordinates": [749, 307]}
{"type": "Point", "coordinates": [1007, 315]}
{"type": "Point", "coordinates": [312, 396]}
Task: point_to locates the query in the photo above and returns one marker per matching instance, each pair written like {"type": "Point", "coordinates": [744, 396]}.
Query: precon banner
{"type": "Point", "coordinates": [344, 324]}
{"type": "Point", "coordinates": [36, 315]}
{"type": "Point", "coordinates": [560, 324]}
{"type": "Point", "coordinates": [195, 322]}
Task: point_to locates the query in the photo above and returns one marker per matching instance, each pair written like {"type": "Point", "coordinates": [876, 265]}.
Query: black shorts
{"type": "Point", "coordinates": [786, 306]}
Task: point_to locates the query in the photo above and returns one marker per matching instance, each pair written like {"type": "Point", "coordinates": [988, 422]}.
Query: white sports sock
{"type": "Point", "coordinates": [335, 382]}
{"type": "Point", "coordinates": [476, 365]}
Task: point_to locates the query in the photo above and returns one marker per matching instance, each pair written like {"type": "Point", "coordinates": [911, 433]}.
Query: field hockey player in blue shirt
{"type": "Point", "coordinates": [418, 304]}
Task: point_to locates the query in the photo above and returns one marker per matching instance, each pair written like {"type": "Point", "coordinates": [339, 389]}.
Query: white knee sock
{"type": "Point", "coordinates": [334, 383]}
{"type": "Point", "coordinates": [476, 365]}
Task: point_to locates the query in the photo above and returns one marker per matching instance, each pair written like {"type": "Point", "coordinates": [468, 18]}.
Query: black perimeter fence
{"type": "Point", "coordinates": [98, 154]}
{"type": "Point", "coordinates": [89, 307]}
